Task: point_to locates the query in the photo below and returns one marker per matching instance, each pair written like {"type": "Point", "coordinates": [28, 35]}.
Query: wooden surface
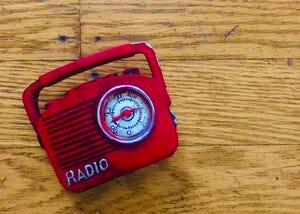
{"type": "Point", "coordinates": [232, 70]}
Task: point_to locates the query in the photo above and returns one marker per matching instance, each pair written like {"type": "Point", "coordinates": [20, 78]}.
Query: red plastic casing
{"type": "Point", "coordinates": [68, 128]}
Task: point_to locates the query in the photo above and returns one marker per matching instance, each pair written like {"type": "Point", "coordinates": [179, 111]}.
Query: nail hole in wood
{"type": "Point", "coordinates": [98, 38]}
{"type": "Point", "coordinates": [63, 38]}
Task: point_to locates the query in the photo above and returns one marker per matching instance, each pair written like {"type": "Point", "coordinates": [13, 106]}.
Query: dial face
{"type": "Point", "coordinates": [125, 114]}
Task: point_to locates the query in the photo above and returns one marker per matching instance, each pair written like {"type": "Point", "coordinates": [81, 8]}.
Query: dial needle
{"type": "Point", "coordinates": [124, 113]}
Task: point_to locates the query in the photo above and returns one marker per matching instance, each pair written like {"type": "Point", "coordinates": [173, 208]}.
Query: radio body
{"type": "Point", "coordinates": [106, 127]}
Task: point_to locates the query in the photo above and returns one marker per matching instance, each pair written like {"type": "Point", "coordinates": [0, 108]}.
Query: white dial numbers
{"type": "Point", "coordinates": [125, 114]}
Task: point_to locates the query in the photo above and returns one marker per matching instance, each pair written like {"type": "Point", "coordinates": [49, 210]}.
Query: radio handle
{"type": "Point", "coordinates": [31, 94]}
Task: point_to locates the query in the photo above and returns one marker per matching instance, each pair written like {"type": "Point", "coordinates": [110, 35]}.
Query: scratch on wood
{"type": "Point", "coordinates": [290, 62]}
{"type": "Point", "coordinates": [281, 172]}
{"type": "Point", "coordinates": [239, 183]}
{"type": "Point", "coordinates": [3, 180]}
{"type": "Point", "coordinates": [230, 32]}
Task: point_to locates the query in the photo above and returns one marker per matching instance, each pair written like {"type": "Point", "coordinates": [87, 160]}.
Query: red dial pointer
{"type": "Point", "coordinates": [124, 113]}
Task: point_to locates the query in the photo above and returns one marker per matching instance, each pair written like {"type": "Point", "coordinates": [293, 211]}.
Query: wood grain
{"type": "Point", "coordinates": [217, 102]}
{"type": "Point", "coordinates": [198, 179]}
{"type": "Point", "coordinates": [232, 70]}
{"type": "Point", "coordinates": [195, 29]}
{"type": "Point", "coordinates": [39, 30]}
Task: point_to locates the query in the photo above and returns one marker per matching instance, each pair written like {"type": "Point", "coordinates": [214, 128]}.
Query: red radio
{"type": "Point", "coordinates": [106, 127]}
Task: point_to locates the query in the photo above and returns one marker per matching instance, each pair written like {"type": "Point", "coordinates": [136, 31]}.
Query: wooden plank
{"type": "Point", "coordinates": [217, 102]}
{"type": "Point", "coordinates": [197, 179]}
{"type": "Point", "coordinates": [195, 29]}
{"type": "Point", "coordinates": [221, 102]}
{"type": "Point", "coordinates": [39, 30]}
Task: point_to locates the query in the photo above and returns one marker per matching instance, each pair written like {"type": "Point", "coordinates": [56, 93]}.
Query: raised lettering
{"type": "Point", "coordinates": [85, 173]}
{"type": "Point", "coordinates": [103, 164]}
{"type": "Point", "coordinates": [89, 170]}
{"type": "Point", "coordinates": [70, 176]}
{"type": "Point", "coordinates": [81, 175]}
{"type": "Point", "coordinates": [96, 167]}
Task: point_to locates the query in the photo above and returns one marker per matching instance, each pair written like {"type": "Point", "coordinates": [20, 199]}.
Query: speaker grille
{"type": "Point", "coordinates": [75, 136]}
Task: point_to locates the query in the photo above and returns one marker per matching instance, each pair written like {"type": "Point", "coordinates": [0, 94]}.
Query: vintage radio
{"type": "Point", "coordinates": [106, 127]}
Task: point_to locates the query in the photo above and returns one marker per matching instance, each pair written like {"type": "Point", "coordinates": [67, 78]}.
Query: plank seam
{"type": "Point", "coordinates": [79, 30]}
